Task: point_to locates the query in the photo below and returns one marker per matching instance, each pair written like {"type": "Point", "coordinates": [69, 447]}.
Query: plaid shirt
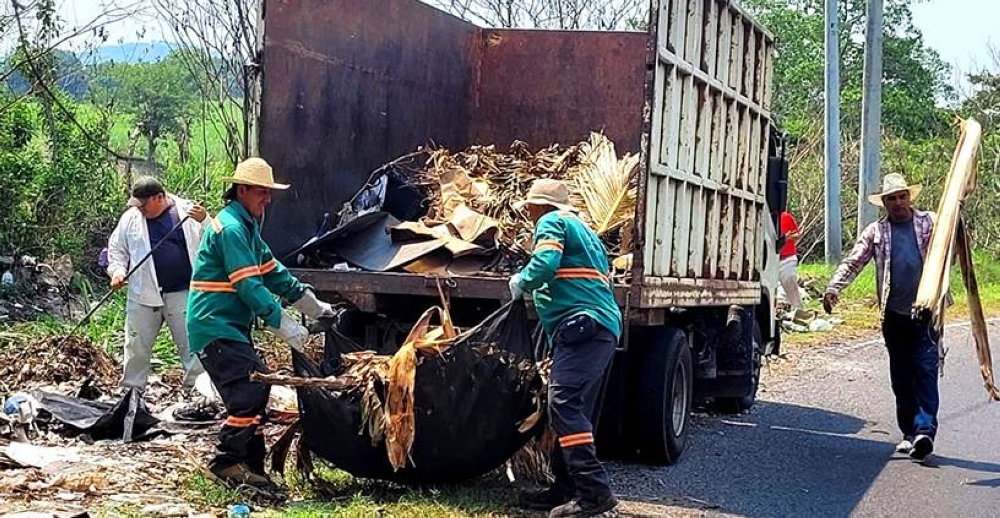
{"type": "Point", "coordinates": [876, 241]}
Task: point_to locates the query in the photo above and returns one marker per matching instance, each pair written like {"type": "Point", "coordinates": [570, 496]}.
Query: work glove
{"type": "Point", "coordinates": [292, 332]}
{"type": "Point", "coordinates": [515, 287]}
{"type": "Point", "coordinates": [312, 307]}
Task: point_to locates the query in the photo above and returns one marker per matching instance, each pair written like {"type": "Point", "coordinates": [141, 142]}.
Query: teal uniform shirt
{"type": "Point", "coordinates": [569, 274]}
{"type": "Point", "coordinates": [235, 280]}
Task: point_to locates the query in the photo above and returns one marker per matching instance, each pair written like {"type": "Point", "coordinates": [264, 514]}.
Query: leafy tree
{"type": "Point", "coordinates": [914, 76]}
{"type": "Point", "coordinates": [160, 95]}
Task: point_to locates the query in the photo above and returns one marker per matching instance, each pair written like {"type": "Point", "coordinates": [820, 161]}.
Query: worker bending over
{"type": "Point", "coordinates": [568, 275]}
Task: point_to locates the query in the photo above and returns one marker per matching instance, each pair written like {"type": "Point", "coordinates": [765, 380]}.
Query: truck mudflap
{"type": "Point", "coordinates": [469, 403]}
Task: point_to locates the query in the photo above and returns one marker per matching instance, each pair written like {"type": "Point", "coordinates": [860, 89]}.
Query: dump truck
{"type": "Point", "coordinates": [346, 86]}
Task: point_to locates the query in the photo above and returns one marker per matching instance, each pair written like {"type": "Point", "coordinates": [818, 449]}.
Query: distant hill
{"type": "Point", "coordinates": [145, 52]}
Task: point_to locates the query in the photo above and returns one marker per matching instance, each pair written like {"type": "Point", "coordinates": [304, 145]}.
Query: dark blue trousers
{"type": "Point", "coordinates": [582, 351]}
{"type": "Point", "coordinates": [913, 368]}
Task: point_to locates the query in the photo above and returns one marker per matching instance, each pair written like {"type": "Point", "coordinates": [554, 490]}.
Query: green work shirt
{"type": "Point", "coordinates": [568, 274]}
{"type": "Point", "coordinates": [235, 279]}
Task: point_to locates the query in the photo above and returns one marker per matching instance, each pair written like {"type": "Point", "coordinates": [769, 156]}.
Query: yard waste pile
{"type": "Point", "coordinates": [35, 363]}
{"type": "Point", "coordinates": [446, 407]}
{"type": "Point", "coordinates": [451, 213]}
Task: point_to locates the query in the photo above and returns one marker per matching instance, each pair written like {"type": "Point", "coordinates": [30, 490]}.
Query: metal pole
{"type": "Point", "coordinates": [833, 234]}
{"type": "Point", "coordinates": [871, 116]}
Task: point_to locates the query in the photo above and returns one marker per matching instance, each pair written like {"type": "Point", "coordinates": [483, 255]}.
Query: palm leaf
{"type": "Point", "coordinates": [605, 184]}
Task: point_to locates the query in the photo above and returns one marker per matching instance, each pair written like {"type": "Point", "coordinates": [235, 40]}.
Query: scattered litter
{"type": "Point", "coordinates": [820, 326]}
{"type": "Point", "coordinates": [167, 511]}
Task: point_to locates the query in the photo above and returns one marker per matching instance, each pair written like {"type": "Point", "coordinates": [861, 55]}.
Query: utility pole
{"type": "Point", "coordinates": [871, 116]}
{"type": "Point", "coordinates": [833, 235]}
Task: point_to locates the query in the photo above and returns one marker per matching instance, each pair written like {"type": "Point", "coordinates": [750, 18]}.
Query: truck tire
{"type": "Point", "coordinates": [738, 405]}
{"type": "Point", "coordinates": [666, 387]}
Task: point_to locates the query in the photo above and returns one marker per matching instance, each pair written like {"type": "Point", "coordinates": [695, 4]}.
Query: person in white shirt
{"type": "Point", "coordinates": [158, 291]}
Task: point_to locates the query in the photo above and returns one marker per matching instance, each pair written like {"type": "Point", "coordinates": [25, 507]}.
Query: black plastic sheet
{"type": "Point", "coordinates": [97, 419]}
{"type": "Point", "coordinates": [469, 402]}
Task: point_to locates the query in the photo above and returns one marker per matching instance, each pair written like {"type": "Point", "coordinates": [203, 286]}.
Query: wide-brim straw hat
{"type": "Point", "coordinates": [257, 172]}
{"type": "Point", "coordinates": [546, 192]}
{"type": "Point", "coordinates": [891, 184]}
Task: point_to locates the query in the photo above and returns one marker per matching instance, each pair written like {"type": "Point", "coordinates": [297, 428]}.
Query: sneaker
{"type": "Point", "coordinates": [542, 499]}
{"type": "Point", "coordinates": [922, 447]}
{"type": "Point", "coordinates": [200, 409]}
{"type": "Point", "coordinates": [905, 446]}
{"type": "Point", "coordinates": [584, 508]}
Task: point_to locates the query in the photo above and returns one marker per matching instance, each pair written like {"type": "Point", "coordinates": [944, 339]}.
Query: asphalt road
{"type": "Point", "coordinates": [820, 444]}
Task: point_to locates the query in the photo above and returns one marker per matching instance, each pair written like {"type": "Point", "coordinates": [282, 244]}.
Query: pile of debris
{"type": "Point", "coordinates": [30, 288]}
{"type": "Point", "coordinates": [441, 212]}
{"type": "Point", "coordinates": [46, 362]}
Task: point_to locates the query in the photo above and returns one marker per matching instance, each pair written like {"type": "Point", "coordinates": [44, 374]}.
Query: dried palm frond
{"type": "Point", "coordinates": [400, 421]}
{"type": "Point", "coordinates": [606, 184]}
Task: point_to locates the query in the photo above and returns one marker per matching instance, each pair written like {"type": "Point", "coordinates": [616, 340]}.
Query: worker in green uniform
{"type": "Point", "coordinates": [235, 281]}
{"type": "Point", "coordinates": [569, 277]}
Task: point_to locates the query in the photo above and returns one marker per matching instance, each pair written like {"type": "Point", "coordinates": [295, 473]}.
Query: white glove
{"type": "Point", "coordinates": [515, 287]}
{"type": "Point", "coordinates": [292, 332]}
{"type": "Point", "coordinates": [312, 307]}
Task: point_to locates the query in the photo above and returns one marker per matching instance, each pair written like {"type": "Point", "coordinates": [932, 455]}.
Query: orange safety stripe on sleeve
{"type": "Point", "coordinates": [243, 273]}
{"type": "Point", "coordinates": [242, 422]}
{"type": "Point", "coordinates": [268, 267]}
{"type": "Point", "coordinates": [549, 244]}
{"type": "Point", "coordinates": [212, 286]}
{"type": "Point", "coordinates": [577, 439]}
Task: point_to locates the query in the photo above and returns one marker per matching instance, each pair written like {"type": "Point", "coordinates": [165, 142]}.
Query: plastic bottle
{"type": "Point", "coordinates": [8, 278]}
{"type": "Point", "coordinates": [239, 511]}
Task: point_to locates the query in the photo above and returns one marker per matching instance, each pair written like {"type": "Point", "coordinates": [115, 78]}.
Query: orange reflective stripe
{"type": "Point", "coordinates": [243, 273]}
{"type": "Point", "coordinates": [242, 422]}
{"type": "Point", "coordinates": [268, 267]}
{"type": "Point", "coordinates": [576, 439]}
{"type": "Point", "coordinates": [549, 244]}
{"type": "Point", "coordinates": [580, 273]}
{"type": "Point", "coordinates": [220, 287]}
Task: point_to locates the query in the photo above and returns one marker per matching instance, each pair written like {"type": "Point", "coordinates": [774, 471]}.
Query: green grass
{"type": "Point", "coordinates": [347, 497]}
{"type": "Point", "coordinates": [859, 302]}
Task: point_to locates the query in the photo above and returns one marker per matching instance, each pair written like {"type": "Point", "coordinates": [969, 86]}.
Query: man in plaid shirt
{"type": "Point", "coordinates": [898, 242]}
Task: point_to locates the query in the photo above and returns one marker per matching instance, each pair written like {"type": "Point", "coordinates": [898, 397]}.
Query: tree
{"type": "Point", "coordinates": [160, 95]}
{"type": "Point", "coordinates": [551, 14]}
{"type": "Point", "coordinates": [220, 43]}
{"type": "Point", "coordinates": [915, 79]}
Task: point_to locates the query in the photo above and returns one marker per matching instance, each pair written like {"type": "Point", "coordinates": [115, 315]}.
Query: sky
{"type": "Point", "coordinates": [960, 30]}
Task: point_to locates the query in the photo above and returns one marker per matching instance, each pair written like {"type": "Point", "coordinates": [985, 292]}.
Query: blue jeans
{"type": "Point", "coordinates": [913, 368]}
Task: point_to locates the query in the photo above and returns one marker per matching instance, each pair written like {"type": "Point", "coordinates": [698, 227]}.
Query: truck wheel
{"type": "Point", "coordinates": [738, 405]}
{"type": "Point", "coordinates": [666, 386]}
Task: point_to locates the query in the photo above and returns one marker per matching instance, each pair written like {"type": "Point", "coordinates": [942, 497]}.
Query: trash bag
{"type": "Point", "coordinates": [97, 419]}
{"type": "Point", "coordinates": [469, 401]}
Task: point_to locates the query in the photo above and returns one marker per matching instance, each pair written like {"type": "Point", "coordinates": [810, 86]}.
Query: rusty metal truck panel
{"type": "Point", "coordinates": [544, 87]}
{"type": "Point", "coordinates": [348, 86]}
{"type": "Point", "coordinates": [707, 152]}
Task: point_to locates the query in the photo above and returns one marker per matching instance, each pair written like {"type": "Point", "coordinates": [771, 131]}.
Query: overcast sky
{"type": "Point", "coordinates": [960, 30]}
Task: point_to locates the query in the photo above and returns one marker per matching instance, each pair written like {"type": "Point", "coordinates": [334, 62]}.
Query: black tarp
{"type": "Point", "coordinates": [97, 419]}
{"type": "Point", "coordinates": [469, 402]}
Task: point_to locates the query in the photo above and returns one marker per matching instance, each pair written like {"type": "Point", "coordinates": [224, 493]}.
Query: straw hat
{"type": "Point", "coordinates": [255, 171]}
{"type": "Point", "coordinates": [548, 192]}
{"type": "Point", "coordinates": [893, 183]}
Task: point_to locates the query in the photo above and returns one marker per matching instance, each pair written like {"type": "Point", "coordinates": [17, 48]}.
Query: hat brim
{"type": "Point", "coordinates": [876, 199]}
{"type": "Point", "coordinates": [539, 203]}
{"type": "Point", "coordinates": [244, 181]}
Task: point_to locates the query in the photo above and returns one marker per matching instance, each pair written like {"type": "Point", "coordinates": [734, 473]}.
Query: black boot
{"type": "Point", "coordinates": [580, 508]}
{"type": "Point", "coordinates": [543, 499]}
